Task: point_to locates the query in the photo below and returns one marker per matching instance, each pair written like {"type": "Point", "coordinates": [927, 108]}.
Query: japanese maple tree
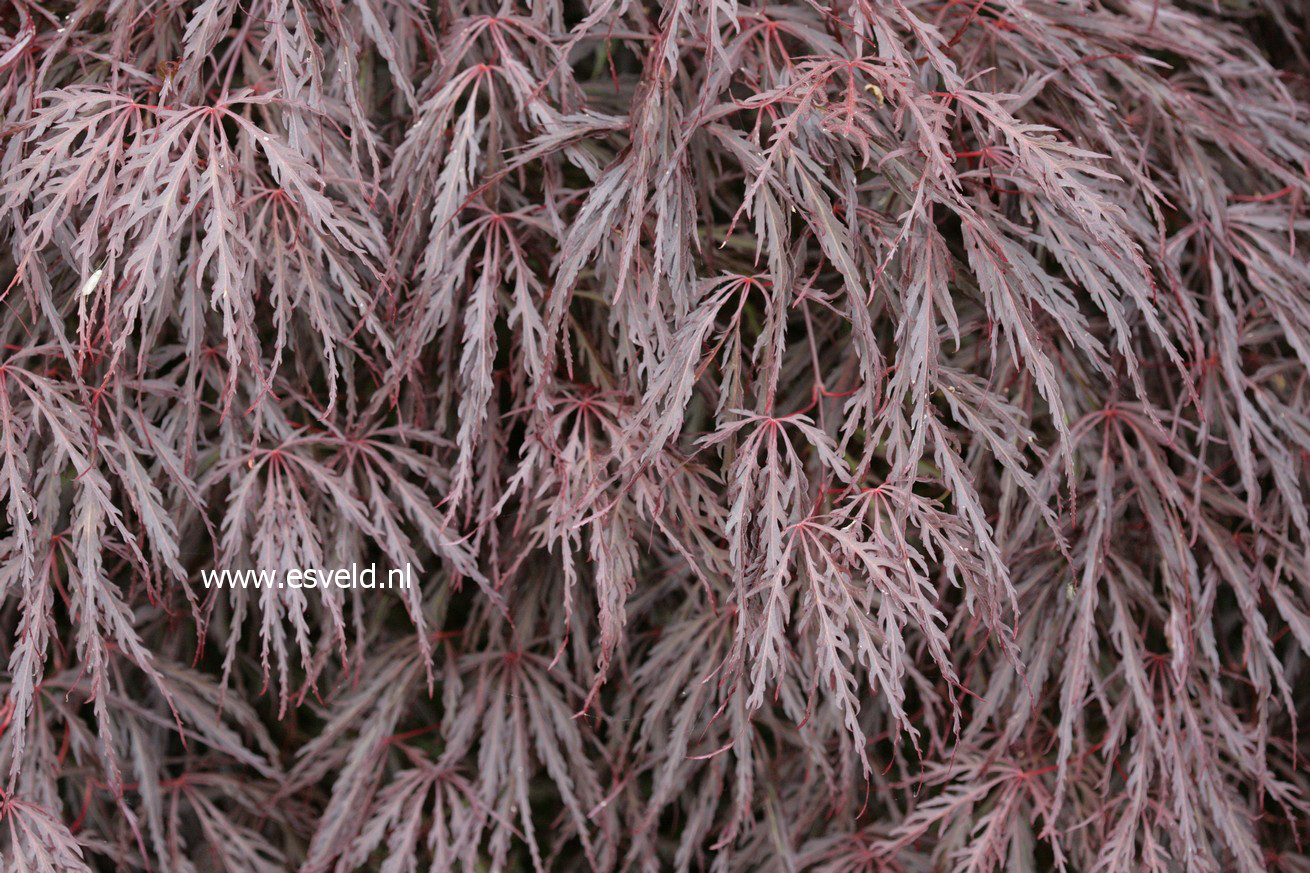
{"type": "Point", "coordinates": [867, 435]}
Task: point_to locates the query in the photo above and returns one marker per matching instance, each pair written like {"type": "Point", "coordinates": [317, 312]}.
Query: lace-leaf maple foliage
{"type": "Point", "coordinates": [852, 436]}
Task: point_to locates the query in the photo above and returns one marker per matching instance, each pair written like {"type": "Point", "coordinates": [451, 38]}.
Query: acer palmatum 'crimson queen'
{"type": "Point", "coordinates": [851, 436]}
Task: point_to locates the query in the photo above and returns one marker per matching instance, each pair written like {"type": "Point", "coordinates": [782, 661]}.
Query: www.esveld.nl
{"type": "Point", "coordinates": [353, 576]}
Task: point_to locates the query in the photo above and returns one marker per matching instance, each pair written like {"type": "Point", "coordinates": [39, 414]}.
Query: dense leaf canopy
{"type": "Point", "coordinates": [838, 435]}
